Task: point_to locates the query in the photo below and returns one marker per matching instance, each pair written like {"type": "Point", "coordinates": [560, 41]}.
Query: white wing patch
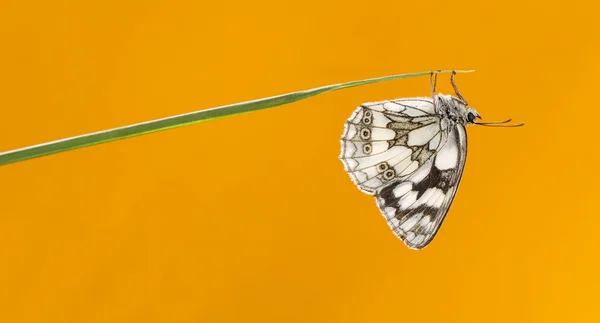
{"type": "Point", "coordinates": [424, 105]}
{"type": "Point", "coordinates": [447, 157]}
{"type": "Point", "coordinates": [423, 135]}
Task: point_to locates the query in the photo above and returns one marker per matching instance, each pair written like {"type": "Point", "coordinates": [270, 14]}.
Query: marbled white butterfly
{"type": "Point", "coordinates": [410, 154]}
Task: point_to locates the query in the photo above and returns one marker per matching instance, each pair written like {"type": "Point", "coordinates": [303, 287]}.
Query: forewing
{"type": "Point", "coordinates": [389, 140]}
{"type": "Point", "coordinates": [416, 207]}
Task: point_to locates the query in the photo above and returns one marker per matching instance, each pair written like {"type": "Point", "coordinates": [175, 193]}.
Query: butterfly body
{"type": "Point", "coordinates": [410, 155]}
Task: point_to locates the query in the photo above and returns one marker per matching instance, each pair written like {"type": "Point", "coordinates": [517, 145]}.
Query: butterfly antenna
{"type": "Point", "coordinates": [495, 122]}
{"type": "Point", "coordinates": [499, 124]}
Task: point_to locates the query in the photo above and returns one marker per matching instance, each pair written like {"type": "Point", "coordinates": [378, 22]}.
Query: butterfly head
{"type": "Point", "coordinates": [470, 115]}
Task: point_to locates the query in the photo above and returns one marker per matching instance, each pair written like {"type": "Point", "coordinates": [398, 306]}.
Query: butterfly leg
{"type": "Point", "coordinates": [456, 88]}
{"type": "Point", "coordinates": [432, 84]}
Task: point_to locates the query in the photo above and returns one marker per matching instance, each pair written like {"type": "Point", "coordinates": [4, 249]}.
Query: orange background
{"type": "Point", "coordinates": [252, 218]}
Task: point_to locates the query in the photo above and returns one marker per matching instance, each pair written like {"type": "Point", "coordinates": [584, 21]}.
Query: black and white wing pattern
{"type": "Point", "coordinates": [410, 158]}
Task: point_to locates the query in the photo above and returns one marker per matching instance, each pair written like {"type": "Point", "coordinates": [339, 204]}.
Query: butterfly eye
{"type": "Point", "coordinates": [365, 133]}
{"type": "Point", "coordinates": [367, 149]}
{"type": "Point", "coordinates": [368, 114]}
{"type": "Point", "coordinates": [366, 120]}
{"type": "Point", "coordinates": [471, 117]}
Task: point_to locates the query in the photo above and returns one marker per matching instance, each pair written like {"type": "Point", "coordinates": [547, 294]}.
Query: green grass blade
{"type": "Point", "coordinates": [185, 119]}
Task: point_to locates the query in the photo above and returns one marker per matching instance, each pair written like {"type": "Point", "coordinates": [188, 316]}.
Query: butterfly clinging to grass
{"type": "Point", "coordinates": [410, 154]}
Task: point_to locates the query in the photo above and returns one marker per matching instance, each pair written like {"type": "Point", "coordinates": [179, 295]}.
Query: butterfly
{"type": "Point", "coordinates": [410, 155]}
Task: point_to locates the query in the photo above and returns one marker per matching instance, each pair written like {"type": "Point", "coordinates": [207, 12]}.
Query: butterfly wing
{"type": "Point", "coordinates": [410, 159]}
{"type": "Point", "coordinates": [416, 207]}
{"type": "Point", "coordinates": [389, 140]}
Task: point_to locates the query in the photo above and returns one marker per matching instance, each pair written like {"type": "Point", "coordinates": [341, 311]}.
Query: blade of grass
{"type": "Point", "coordinates": [185, 119]}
